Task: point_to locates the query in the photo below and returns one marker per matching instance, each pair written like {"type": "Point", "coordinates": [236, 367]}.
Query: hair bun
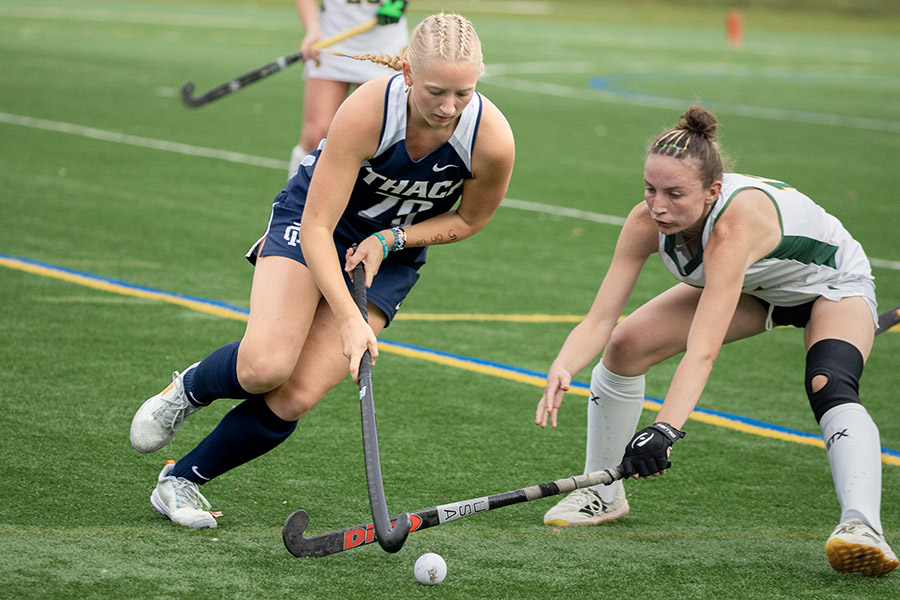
{"type": "Point", "coordinates": [700, 121]}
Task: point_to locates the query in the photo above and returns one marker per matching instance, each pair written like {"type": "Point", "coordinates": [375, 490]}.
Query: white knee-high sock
{"type": "Point", "coordinates": [613, 412]}
{"type": "Point", "coordinates": [853, 446]}
{"type": "Point", "coordinates": [297, 156]}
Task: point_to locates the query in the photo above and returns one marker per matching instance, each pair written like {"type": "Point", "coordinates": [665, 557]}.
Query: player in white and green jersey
{"type": "Point", "coordinates": [749, 253]}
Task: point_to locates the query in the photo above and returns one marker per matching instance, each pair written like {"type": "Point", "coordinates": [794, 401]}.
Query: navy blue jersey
{"type": "Point", "coordinates": [393, 189]}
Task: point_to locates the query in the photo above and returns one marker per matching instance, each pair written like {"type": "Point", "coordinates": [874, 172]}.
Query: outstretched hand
{"type": "Point", "coordinates": [558, 381]}
{"type": "Point", "coordinates": [390, 12]}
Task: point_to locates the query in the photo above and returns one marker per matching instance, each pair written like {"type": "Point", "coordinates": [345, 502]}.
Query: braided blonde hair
{"type": "Point", "coordinates": [442, 36]}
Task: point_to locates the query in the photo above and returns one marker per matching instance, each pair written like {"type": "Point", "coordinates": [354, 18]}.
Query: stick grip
{"type": "Point", "coordinates": [391, 538]}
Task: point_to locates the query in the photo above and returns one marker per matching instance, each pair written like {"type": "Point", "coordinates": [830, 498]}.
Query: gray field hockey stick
{"type": "Point", "coordinates": [279, 64]}
{"type": "Point", "coordinates": [391, 538]}
{"type": "Point", "coordinates": [888, 319]}
{"type": "Point", "coordinates": [360, 535]}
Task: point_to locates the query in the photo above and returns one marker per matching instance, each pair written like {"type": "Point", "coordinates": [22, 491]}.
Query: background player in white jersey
{"type": "Point", "coordinates": [327, 78]}
{"type": "Point", "coordinates": [749, 253]}
{"type": "Point", "coordinates": [402, 151]}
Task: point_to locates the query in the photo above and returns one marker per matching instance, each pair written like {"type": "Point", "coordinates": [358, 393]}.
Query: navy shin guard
{"type": "Point", "coordinates": [215, 377]}
{"type": "Point", "coordinates": [249, 430]}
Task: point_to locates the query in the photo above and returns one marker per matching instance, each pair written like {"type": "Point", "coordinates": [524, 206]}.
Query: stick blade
{"type": "Point", "coordinates": [292, 532]}
{"type": "Point", "coordinates": [187, 95]}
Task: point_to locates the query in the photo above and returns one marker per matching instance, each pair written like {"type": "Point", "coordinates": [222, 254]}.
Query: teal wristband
{"type": "Point", "coordinates": [384, 243]}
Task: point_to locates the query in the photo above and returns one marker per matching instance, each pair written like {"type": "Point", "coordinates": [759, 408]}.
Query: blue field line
{"type": "Point", "coordinates": [237, 310]}
{"type": "Point", "coordinates": [123, 284]}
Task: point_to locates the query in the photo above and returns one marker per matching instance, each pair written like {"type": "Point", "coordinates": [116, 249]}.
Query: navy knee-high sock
{"type": "Point", "coordinates": [215, 377]}
{"type": "Point", "coordinates": [249, 430]}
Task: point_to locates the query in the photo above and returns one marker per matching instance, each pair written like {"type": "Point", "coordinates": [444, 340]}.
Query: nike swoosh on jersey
{"type": "Point", "coordinates": [438, 169]}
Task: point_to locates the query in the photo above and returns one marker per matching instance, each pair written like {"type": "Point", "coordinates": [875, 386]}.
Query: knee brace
{"type": "Point", "coordinates": [842, 364]}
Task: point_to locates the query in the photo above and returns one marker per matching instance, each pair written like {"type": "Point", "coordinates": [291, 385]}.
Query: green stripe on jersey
{"type": "Point", "coordinates": [805, 250]}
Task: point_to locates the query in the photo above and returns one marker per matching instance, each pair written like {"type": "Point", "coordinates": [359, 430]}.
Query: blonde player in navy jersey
{"type": "Point", "coordinates": [750, 253]}
{"type": "Point", "coordinates": [327, 78]}
{"type": "Point", "coordinates": [411, 160]}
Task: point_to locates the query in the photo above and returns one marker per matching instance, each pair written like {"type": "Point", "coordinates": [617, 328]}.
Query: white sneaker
{"type": "Point", "coordinates": [854, 547]}
{"type": "Point", "coordinates": [180, 499]}
{"type": "Point", "coordinates": [585, 507]}
{"type": "Point", "coordinates": [158, 419]}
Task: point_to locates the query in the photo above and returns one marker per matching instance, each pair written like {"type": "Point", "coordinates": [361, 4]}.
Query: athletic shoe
{"type": "Point", "coordinates": [854, 547]}
{"type": "Point", "coordinates": [180, 499]}
{"type": "Point", "coordinates": [585, 507]}
{"type": "Point", "coordinates": [158, 419]}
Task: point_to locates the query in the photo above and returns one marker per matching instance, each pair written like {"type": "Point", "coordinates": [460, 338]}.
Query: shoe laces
{"type": "Point", "coordinates": [580, 497]}
{"type": "Point", "coordinates": [187, 493]}
{"type": "Point", "coordinates": [175, 406]}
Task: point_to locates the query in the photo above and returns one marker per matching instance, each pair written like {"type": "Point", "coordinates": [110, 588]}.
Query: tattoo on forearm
{"type": "Point", "coordinates": [437, 238]}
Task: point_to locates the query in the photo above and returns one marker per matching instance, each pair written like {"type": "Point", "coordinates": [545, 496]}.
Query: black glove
{"type": "Point", "coordinates": [648, 451]}
{"type": "Point", "coordinates": [390, 11]}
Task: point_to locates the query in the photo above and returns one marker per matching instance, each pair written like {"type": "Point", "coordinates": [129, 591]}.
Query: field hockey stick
{"type": "Point", "coordinates": [888, 319]}
{"type": "Point", "coordinates": [390, 537]}
{"type": "Point", "coordinates": [283, 62]}
{"type": "Point", "coordinates": [360, 535]}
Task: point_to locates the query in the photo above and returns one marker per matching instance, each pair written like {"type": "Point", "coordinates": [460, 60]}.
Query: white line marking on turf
{"type": "Point", "coordinates": [121, 138]}
{"type": "Point", "coordinates": [134, 140]}
{"type": "Point", "coordinates": [500, 75]}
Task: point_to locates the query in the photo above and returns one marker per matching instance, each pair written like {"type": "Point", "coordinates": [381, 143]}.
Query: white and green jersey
{"type": "Point", "coordinates": [816, 256]}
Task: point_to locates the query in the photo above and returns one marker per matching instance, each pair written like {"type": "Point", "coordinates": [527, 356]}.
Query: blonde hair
{"type": "Point", "coordinates": [442, 36]}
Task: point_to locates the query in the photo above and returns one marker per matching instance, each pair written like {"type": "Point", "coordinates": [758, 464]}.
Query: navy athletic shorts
{"type": "Point", "coordinates": [396, 276]}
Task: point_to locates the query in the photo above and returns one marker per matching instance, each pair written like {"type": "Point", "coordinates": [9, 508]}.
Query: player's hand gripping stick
{"type": "Point", "coordinates": [648, 451]}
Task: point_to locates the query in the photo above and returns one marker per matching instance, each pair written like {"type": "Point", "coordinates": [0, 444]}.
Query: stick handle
{"type": "Point", "coordinates": [361, 28]}
{"type": "Point", "coordinates": [360, 535]}
{"type": "Point", "coordinates": [279, 64]}
{"type": "Point", "coordinates": [390, 538]}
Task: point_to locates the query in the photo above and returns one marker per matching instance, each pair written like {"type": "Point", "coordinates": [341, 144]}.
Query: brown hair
{"type": "Point", "coordinates": [693, 137]}
{"type": "Point", "coordinates": [444, 36]}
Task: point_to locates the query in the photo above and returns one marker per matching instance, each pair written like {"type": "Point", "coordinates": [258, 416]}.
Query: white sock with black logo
{"type": "Point", "coordinates": [853, 446]}
{"type": "Point", "coordinates": [613, 412]}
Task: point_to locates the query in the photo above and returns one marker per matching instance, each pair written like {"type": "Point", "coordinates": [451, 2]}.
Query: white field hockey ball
{"type": "Point", "coordinates": [430, 569]}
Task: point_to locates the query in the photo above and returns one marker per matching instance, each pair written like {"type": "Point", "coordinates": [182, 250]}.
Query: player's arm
{"type": "Point", "coordinates": [352, 138]}
{"type": "Point", "coordinates": [308, 10]}
{"type": "Point", "coordinates": [746, 232]}
{"type": "Point", "coordinates": [492, 165]}
{"type": "Point", "coordinates": [637, 241]}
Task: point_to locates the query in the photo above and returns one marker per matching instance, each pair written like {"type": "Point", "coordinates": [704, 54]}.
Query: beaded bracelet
{"type": "Point", "coordinates": [399, 239]}
{"type": "Point", "coordinates": [383, 243]}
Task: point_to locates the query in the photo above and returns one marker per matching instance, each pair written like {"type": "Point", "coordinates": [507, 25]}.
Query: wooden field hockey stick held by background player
{"type": "Point", "coordinates": [283, 62]}
{"type": "Point", "coordinates": [360, 535]}
{"type": "Point", "coordinates": [390, 537]}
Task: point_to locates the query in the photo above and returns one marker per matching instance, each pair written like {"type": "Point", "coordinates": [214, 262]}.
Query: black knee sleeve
{"type": "Point", "coordinates": [842, 364]}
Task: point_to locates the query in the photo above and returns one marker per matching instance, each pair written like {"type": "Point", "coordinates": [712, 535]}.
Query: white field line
{"type": "Point", "coordinates": [133, 140]}
{"type": "Point", "coordinates": [503, 75]}
{"type": "Point", "coordinates": [236, 157]}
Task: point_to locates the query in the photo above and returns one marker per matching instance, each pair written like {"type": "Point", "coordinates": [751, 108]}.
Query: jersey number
{"type": "Point", "coordinates": [406, 214]}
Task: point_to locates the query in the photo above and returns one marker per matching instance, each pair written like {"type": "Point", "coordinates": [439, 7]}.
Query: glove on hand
{"type": "Point", "coordinates": [390, 11]}
{"type": "Point", "coordinates": [648, 451]}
